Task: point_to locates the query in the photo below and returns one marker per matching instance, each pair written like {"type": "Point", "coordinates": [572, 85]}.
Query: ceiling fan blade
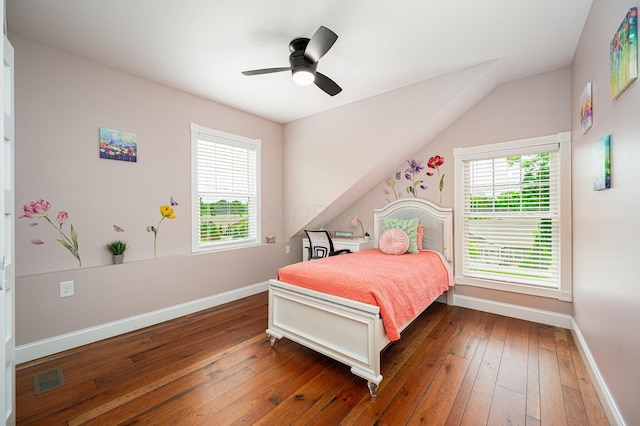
{"type": "Point", "coordinates": [320, 43]}
{"type": "Point", "coordinates": [266, 71]}
{"type": "Point", "coordinates": [326, 84]}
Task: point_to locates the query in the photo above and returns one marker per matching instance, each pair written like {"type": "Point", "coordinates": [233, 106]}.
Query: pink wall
{"type": "Point", "coordinates": [61, 101]}
{"type": "Point", "coordinates": [332, 158]}
{"type": "Point", "coordinates": [530, 107]}
{"type": "Point", "coordinates": [606, 228]}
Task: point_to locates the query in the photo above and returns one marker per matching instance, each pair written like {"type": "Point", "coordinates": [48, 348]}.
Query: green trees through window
{"type": "Point", "coordinates": [225, 185]}
{"type": "Point", "coordinates": [223, 220]}
{"type": "Point", "coordinates": [510, 227]}
{"type": "Point", "coordinates": [513, 216]}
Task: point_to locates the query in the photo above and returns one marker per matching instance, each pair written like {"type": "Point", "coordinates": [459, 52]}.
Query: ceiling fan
{"type": "Point", "coordinates": [303, 61]}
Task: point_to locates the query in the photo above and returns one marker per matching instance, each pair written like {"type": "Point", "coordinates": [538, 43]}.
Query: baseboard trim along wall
{"type": "Point", "coordinates": [42, 348]}
{"type": "Point", "coordinates": [45, 347]}
{"type": "Point", "coordinates": [557, 320]}
{"type": "Point", "coordinates": [602, 390]}
{"type": "Point", "coordinates": [513, 311]}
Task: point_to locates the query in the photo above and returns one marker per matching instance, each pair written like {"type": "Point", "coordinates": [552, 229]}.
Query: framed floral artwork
{"type": "Point", "coordinates": [623, 60]}
{"type": "Point", "coordinates": [118, 145]}
{"type": "Point", "coordinates": [602, 164]}
{"type": "Point", "coordinates": [586, 109]}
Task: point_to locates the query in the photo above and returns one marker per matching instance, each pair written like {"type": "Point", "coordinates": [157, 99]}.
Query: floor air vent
{"type": "Point", "coordinates": [48, 380]}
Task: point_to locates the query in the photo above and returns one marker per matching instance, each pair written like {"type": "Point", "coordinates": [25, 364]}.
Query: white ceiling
{"type": "Point", "coordinates": [201, 46]}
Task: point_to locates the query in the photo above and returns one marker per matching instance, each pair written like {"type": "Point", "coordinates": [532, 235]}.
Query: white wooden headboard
{"type": "Point", "coordinates": [436, 221]}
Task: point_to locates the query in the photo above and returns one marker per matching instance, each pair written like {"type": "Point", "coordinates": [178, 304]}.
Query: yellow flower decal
{"type": "Point", "coordinates": [167, 211]}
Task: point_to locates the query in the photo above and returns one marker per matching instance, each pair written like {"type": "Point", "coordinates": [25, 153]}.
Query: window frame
{"type": "Point", "coordinates": [507, 149]}
{"type": "Point", "coordinates": [203, 133]}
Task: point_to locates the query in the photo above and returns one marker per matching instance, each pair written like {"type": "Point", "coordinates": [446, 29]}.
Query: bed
{"type": "Point", "coordinates": [351, 331]}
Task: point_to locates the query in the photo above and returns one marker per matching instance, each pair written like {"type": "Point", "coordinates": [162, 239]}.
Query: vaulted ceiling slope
{"type": "Point", "coordinates": [354, 147]}
{"type": "Point", "coordinates": [201, 46]}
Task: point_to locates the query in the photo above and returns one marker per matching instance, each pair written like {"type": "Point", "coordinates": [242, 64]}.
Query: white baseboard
{"type": "Point", "coordinates": [67, 341]}
{"type": "Point", "coordinates": [609, 405]}
{"type": "Point", "coordinates": [513, 311]}
{"type": "Point", "coordinates": [557, 320]}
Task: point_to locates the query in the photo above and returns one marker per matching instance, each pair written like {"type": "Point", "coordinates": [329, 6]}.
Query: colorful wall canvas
{"type": "Point", "coordinates": [586, 109]}
{"type": "Point", "coordinates": [624, 54]}
{"type": "Point", "coordinates": [118, 145]}
{"type": "Point", "coordinates": [601, 164]}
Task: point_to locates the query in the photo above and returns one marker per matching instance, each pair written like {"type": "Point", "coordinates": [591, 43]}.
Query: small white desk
{"type": "Point", "coordinates": [355, 244]}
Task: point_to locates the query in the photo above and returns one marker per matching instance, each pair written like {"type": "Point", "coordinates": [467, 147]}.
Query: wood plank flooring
{"type": "Point", "coordinates": [453, 366]}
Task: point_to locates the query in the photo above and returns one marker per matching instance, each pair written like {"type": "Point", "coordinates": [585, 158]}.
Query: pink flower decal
{"type": "Point", "coordinates": [36, 209]}
{"type": "Point", "coordinates": [62, 217]}
{"type": "Point", "coordinates": [40, 210]}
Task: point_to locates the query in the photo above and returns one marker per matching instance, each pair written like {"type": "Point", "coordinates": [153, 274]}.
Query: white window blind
{"type": "Point", "coordinates": [225, 189]}
{"type": "Point", "coordinates": [511, 224]}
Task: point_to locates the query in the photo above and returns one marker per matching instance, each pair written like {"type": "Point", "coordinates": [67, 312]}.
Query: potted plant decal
{"type": "Point", "coordinates": [117, 249]}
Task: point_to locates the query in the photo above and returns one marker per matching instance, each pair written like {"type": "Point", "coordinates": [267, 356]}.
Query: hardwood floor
{"type": "Point", "coordinates": [453, 366]}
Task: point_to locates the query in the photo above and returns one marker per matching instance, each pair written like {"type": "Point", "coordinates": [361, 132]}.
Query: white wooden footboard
{"type": "Point", "coordinates": [347, 331]}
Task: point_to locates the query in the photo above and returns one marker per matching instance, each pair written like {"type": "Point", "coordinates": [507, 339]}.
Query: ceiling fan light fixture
{"type": "Point", "coordinates": [303, 76]}
{"type": "Point", "coordinates": [303, 61]}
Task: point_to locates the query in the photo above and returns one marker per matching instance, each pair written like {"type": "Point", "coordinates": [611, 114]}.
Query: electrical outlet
{"type": "Point", "coordinates": [66, 288]}
{"type": "Point", "coordinates": [287, 249]}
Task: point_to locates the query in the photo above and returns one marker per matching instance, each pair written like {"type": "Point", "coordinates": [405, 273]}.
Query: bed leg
{"type": "Point", "coordinates": [273, 335]}
{"type": "Point", "coordinates": [373, 388]}
{"type": "Point", "coordinates": [272, 340]}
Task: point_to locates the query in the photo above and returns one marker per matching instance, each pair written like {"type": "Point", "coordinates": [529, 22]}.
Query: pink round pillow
{"type": "Point", "coordinates": [394, 241]}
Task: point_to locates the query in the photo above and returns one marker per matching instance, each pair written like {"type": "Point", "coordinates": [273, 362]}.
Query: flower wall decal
{"type": "Point", "coordinates": [40, 210]}
{"type": "Point", "coordinates": [167, 213]}
{"type": "Point", "coordinates": [412, 174]}
{"type": "Point", "coordinates": [391, 183]}
{"type": "Point", "coordinates": [434, 163]}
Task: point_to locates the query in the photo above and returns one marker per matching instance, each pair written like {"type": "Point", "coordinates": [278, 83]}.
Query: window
{"type": "Point", "coordinates": [225, 197]}
{"type": "Point", "coordinates": [512, 204]}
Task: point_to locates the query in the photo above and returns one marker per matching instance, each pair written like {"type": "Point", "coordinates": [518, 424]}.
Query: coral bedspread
{"type": "Point", "coordinates": [402, 286]}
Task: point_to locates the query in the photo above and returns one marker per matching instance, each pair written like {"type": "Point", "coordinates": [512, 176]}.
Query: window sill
{"type": "Point", "coordinates": [552, 293]}
{"type": "Point", "coordinates": [229, 245]}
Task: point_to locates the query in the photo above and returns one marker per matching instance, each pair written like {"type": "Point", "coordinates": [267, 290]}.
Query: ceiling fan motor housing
{"type": "Point", "coordinates": [297, 60]}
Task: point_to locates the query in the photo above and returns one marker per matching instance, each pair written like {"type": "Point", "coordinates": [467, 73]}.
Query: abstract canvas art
{"type": "Point", "coordinates": [586, 109]}
{"type": "Point", "coordinates": [118, 145]}
{"type": "Point", "coordinates": [624, 54]}
{"type": "Point", "coordinates": [601, 164]}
